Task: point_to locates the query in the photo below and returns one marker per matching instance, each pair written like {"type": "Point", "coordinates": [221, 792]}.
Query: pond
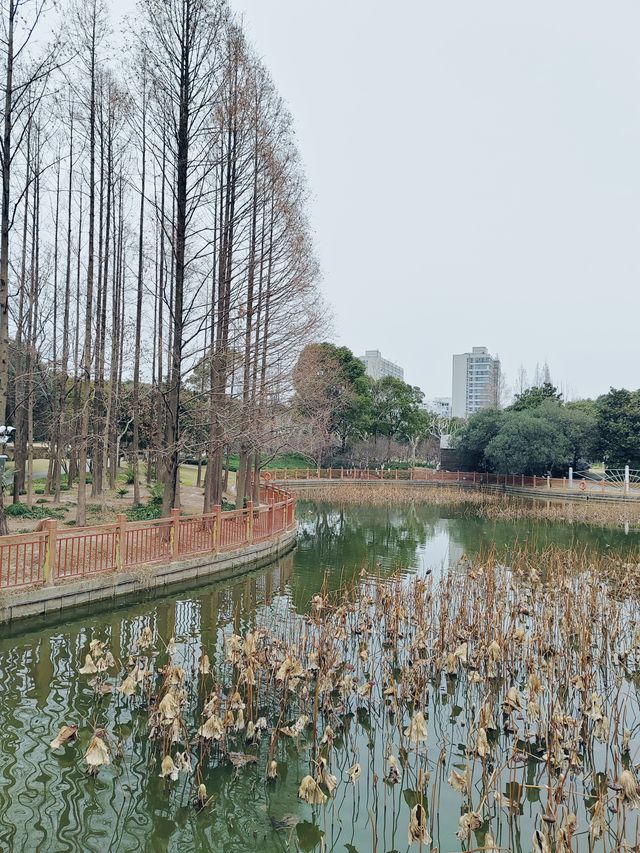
{"type": "Point", "coordinates": [49, 802]}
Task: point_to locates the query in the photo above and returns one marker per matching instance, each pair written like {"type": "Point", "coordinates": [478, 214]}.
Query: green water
{"type": "Point", "coordinates": [47, 801]}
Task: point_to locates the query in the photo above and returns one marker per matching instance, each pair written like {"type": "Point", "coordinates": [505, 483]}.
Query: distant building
{"type": "Point", "coordinates": [377, 367]}
{"type": "Point", "coordinates": [476, 382]}
{"type": "Point", "coordinates": [439, 406]}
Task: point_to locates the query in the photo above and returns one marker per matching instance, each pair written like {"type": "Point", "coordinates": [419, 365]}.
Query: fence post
{"type": "Point", "coordinates": [249, 521]}
{"type": "Point", "coordinates": [626, 479]}
{"type": "Point", "coordinates": [175, 533]}
{"type": "Point", "coordinates": [50, 555]}
{"type": "Point", "coordinates": [217, 527]}
{"type": "Point", "coordinates": [564, 482]}
{"type": "Point", "coordinates": [330, 469]}
{"type": "Point", "coordinates": [534, 481]}
{"type": "Point", "coordinates": [307, 474]}
{"type": "Point", "coordinates": [570, 478]}
{"type": "Point", "coordinates": [548, 481]}
{"type": "Point", "coordinates": [121, 540]}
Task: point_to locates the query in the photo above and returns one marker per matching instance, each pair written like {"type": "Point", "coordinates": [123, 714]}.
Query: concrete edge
{"type": "Point", "coordinates": [149, 579]}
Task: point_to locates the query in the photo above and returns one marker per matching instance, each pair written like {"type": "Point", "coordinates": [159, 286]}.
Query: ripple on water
{"type": "Point", "coordinates": [48, 802]}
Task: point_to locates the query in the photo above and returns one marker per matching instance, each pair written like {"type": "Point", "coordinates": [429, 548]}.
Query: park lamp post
{"type": "Point", "coordinates": [5, 434]}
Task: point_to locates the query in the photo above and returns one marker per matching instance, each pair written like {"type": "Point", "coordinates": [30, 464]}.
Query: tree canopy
{"type": "Point", "coordinates": [535, 396]}
{"type": "Point", "coordinates": [331, 388]}
{"type": "Point", "coordinates": [526, 444]}
{"type": "Point", "coordinates": [539, 433]}
{"type": "Point", "coordinates": [618, 427]}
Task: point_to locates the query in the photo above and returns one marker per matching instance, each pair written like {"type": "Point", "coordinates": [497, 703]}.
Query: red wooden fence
{"type": "Point", "coordinates": [56, 555]}
{"type": "Point", "coordinates": [430, 475]}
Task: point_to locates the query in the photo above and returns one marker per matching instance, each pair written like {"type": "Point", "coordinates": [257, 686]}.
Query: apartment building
{"type": "Point", "coordinates": [376, 366]}
{"type": "Point", "coordinates": [476, 382]}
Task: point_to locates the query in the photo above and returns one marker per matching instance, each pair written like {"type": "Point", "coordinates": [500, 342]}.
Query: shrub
{"type": "Point", "coordinates": [152, 509]}
{"type": "Point", "coordinates": [36, 512]}
{"type": "Point", "coordinates": [144, 512]}
{"type": "Point", "coordinates": [156, 493]}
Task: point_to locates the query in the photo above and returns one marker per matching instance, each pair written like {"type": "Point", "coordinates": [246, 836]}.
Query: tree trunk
{"type": "Point", "coordinates": [85, 385]}
{"type": "Point", "coordinates": [135, 450]}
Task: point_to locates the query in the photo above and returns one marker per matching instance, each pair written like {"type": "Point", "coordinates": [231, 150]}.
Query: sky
{"type": "Point", "coordinates": [475, 177]}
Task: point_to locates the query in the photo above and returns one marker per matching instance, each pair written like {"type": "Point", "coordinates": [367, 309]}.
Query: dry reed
{"type": "Point", "coordinates": [486, 504]}
{"type": "Point", "coordinates": [541, 659]}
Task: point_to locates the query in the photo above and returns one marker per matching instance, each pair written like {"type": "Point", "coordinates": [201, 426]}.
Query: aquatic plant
{"type": "Point", "coordinates": [483, 503]}
{"type": "Point", "coordinates": [499, 684]}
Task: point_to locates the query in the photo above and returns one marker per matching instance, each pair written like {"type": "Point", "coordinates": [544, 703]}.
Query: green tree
{"type": "Point", "coordinates": [534, 397]}
{"type": "Point", "coordinates": [526, 444]}
{"type": "Point", "coordinates": [618, 424]}
{"type": "Point", "coordinates": [579, 426]}
{"type": "Point", "coordinates": [472, 440]}
{"type": "Point", "coordinates": [395, 409]}
{"type": "Point", "coordinates": [417, 428]}
{"type": "Point", "coordinates": [330, 381]}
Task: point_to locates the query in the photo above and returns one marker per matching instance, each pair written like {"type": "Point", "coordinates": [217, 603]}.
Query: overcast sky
{"type": "Point", "coordinates": [475, 173]}
{"type": "Point", "coordinates": [474, 167]}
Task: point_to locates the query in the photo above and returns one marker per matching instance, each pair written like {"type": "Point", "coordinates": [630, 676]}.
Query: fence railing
{"type": "Point", "coordinates": [424, 474]}
{"type": "Point", "coordinates": [55, 555]}
{"type": "Point", "coordinates": [431, 475]}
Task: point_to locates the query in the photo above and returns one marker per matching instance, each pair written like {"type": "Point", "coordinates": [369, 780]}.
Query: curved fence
{"type": "Point", "coordinates": [583, 483]}
{"type": "Point", "coordinates": [54, 555]}
{"type": "Point", "coordinates": [430, 475]}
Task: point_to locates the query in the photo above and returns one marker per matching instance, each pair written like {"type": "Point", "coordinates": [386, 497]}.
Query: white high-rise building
{"type": "Point", "coordinates": [376, 366]}
{"type": "Point", "coordinates": [439, 406]}
{"type": "Point", "coordinates": [476, 382]}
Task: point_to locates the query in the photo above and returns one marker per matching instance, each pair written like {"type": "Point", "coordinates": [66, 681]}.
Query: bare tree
{"type": "Point", "coordinates": [90, 19]}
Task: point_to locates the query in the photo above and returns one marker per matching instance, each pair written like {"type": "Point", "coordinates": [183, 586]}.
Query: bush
{"type": "Point", "coordinates": [152, 509]}
{"type": "Point", "coordinates": [36, 512]}
{"type": "Point", "coordinates": [156, 493]}
{"type": "Point", "coordinates": [144, 512]}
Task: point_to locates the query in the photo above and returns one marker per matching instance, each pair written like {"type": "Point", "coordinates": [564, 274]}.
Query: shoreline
{"type": "Point", "coordinates": [40, 602]}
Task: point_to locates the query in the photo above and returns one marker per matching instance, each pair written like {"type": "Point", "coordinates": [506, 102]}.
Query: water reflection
{"type": "Point", "coordinates": [420, 536]}
{"type": "Point", "coordinates": [48, 803]}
